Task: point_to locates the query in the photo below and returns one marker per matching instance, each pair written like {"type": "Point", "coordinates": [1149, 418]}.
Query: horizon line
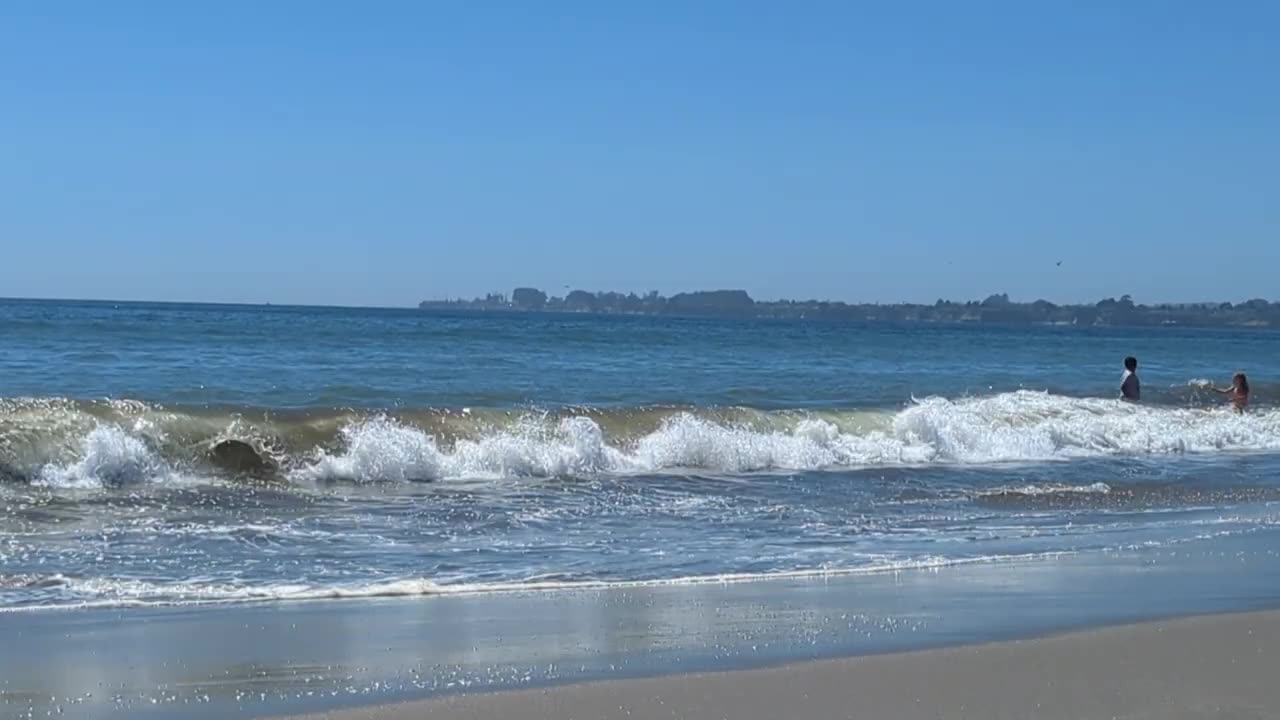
{"type": "Point", "coordinates": [459, 299]}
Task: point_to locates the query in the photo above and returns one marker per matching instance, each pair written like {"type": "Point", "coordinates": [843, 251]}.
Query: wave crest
{"type": "Point", "coordinates": [1037, 426]}
{"type": "Point", "coordinates": [69, 446]}
{"type": "Point", "coordinates": [109, 457]}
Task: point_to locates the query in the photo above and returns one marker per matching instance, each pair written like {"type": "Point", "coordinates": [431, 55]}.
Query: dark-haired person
{"type": "Point", "coordinates": [1130, 388]}
{"type": "Point", "coordinates": [1239, 392]}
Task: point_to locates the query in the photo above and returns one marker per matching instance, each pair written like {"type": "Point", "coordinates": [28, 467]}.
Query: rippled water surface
{"type": "Point", "coordinates": [157, 454]}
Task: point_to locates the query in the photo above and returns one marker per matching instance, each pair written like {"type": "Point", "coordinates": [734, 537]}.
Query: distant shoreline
{"type": "Point", "coordinates": [1250, 315]}
{"type": "Point", "coordinates": [997, 309]}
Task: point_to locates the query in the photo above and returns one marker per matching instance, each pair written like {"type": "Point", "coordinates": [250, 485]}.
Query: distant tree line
{"type": "Point", "coordinates": [995, 309]}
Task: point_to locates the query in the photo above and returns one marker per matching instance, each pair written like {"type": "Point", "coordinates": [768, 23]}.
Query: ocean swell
{"type": "Point", "coordinates": [69, 444]}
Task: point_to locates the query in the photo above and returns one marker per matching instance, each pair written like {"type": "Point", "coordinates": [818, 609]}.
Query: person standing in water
{"type": "Point", "coordinates": [1130, 388]}
{"type": "Point", "coordinates": [1239, 392]}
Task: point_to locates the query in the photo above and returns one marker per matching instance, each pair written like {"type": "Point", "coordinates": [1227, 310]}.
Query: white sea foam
{"type": "Point", "coordinates": [108, 457]}
{"type": "Point", "coordinates": [1038, 426]}
{"type": "Point", "coordinates": [113, 592]}
{"type": "Point", "coordinates": [382, 449]}
{"type": "Point", "coordinates": [686, 441]}
{"type": "Point", "coordinates": [1013, 427]}
{"type": "Point", "coordinates": [1050, 489]}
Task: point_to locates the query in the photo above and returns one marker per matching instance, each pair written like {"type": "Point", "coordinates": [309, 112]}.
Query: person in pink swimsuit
{"type": "Point", "coordinates": [1239, 392]}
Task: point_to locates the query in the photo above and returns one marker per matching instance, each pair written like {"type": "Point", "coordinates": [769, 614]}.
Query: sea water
{"type": "Point", "coordinates": [167, 454]}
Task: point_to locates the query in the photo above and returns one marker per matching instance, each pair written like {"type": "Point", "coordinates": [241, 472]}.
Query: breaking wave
{"type": "Point", "coordinates": [108, 457]}
{"type": "Point", "coordinates": [76, 444]}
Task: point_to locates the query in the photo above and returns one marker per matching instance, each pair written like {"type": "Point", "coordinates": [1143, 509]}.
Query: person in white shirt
{"type": "Point", "coordinates": [1130, 388]}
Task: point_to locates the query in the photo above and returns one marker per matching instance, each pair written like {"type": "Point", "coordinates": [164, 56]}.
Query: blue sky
{"type": "Point", "coordinates": [382, 153]}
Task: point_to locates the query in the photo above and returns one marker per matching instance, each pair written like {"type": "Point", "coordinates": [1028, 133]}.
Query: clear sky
{"type": "Point", "coordinates": [386, 152]}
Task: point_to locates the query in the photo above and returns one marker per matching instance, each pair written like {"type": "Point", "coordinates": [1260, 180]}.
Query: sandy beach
{"type": "Point", "coordinates": [1217, 666]}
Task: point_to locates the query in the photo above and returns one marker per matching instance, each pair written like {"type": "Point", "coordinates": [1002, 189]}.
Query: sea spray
{"type": "Point", "coordinates": [109, 457]}
{"type": "Point", "coordinates": [95, 445]}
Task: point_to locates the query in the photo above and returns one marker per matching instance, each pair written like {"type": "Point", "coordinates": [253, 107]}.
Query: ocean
{"type": "Point", "coordinates": [201, 455]}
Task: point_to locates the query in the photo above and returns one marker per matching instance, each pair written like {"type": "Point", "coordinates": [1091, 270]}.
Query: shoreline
{"type": "Point", "coordinates": [335, 657]}
{"type": "Point", "coordinates": [1204, 666]}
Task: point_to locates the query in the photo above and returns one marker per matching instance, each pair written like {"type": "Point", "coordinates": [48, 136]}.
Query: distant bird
{"type": "Point", "coordinates": [1059, 263]}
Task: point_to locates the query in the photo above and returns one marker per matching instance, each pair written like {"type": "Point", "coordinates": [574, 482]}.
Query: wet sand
{"type": "Point", "coordinates": [933, 644]}
{"type": "Point", "coordinates": [1218, 666]}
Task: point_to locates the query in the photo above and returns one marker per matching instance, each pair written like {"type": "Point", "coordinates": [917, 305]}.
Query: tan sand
{"type": "Point", "coordinates": [1219, 666]}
